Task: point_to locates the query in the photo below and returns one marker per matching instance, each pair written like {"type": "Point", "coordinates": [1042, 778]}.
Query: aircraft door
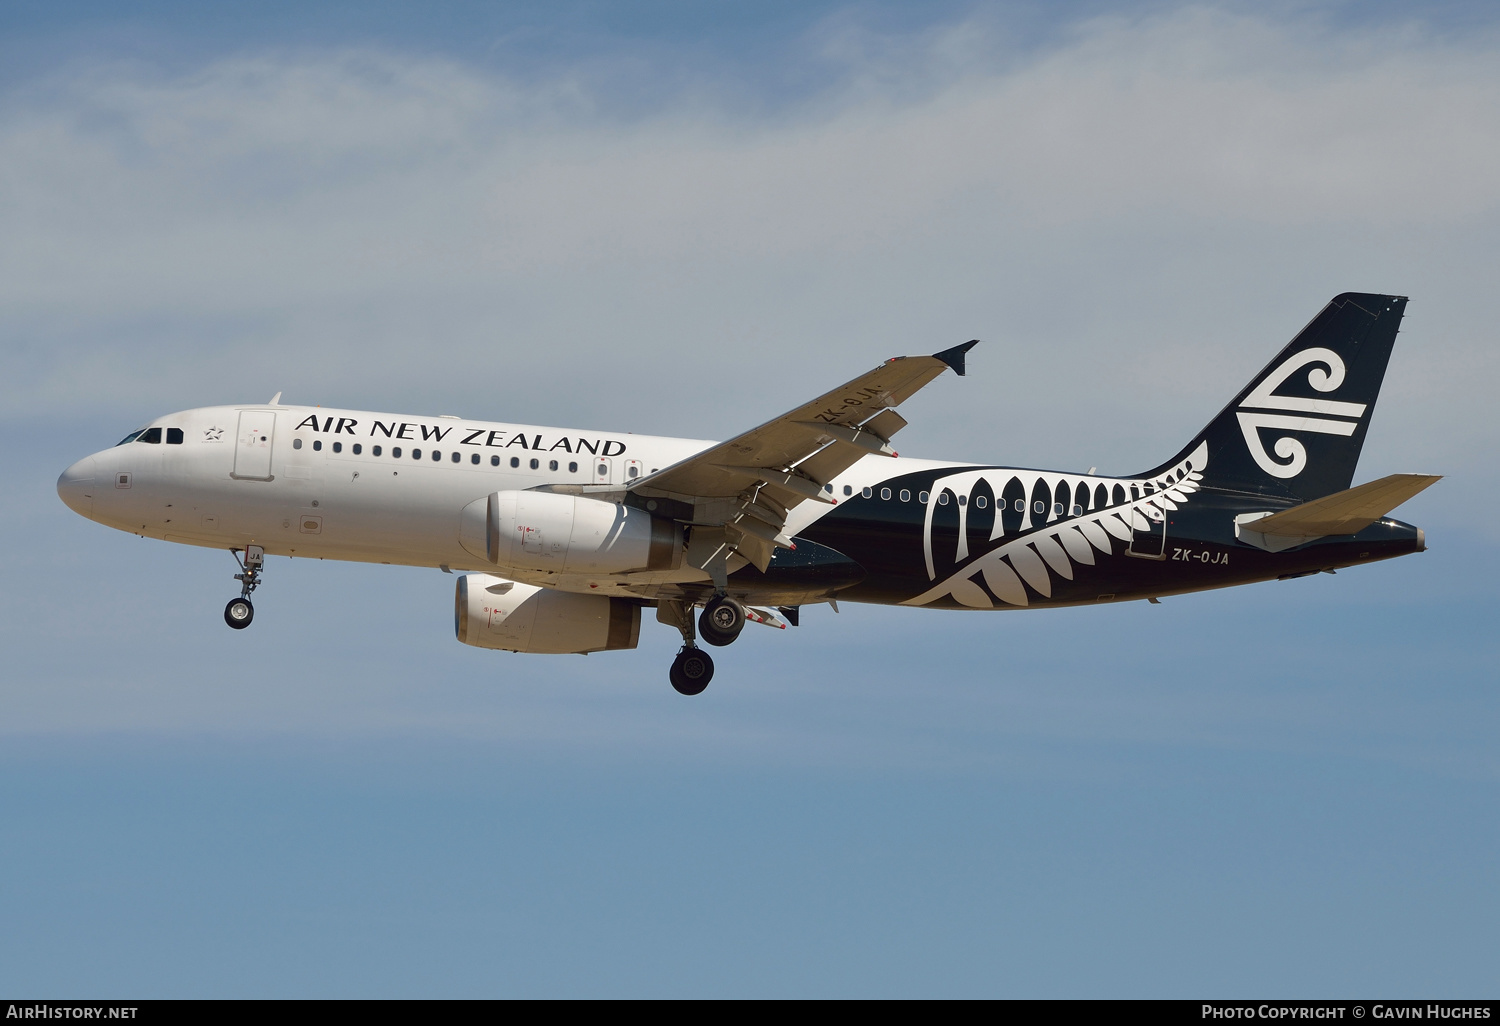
{"type": "Point", "coordinates": [604, 471]}
{"type": "Point", "coordinates": [1148, 536]}
{"type": "Point", "coordinates": [633, 472]}
{"type": "Point", "coordinates": [252, 445]}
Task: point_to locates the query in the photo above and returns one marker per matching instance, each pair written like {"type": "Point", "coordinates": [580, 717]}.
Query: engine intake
{"type": "Point", "coordinates": [568, 534]}
{"type": "Point", "coordinates": [491, 612]}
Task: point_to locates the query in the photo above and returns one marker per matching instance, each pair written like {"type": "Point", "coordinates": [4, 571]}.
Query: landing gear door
{"type": "Point", "coordinates": [1148, 536]}
{"type": "Point", "coordinates": [252, 445]}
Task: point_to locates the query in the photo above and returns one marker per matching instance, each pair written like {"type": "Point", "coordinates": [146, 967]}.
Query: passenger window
{"type": "Point", "coordinates": [1077, 510]}
{"type": "Point", "coordinates": [1057, 509]}
{"type": "Point", "coordinates": [356, 448]}
{"type": "Point", "coordinates": [552, 465]}
{"type": "Point", "coordinates": [458, 457]}
{"type": "Point", "coordinates": [515, 461]}
{"type": "Point", "coordinates": [416, 454]}
{"type": "Point", "coordinates": [906, 495]}
{"type": "Point", "coordinates": [572, 468]}
{"type": "Point", "coordinates": [151, 436]}
{"type": "Point", "coordinates": [848, 490]}
{"type": "Point", "coordinates": [885, 493]}
{"type": "Point", "coordinates": [437, 457]}
{"type": "Point", "coordinates": [981, 501]}
{"type": "Point", "coordinates": [828, 488]}
{"type": "Point", "coordinates": [535, 464]}
{"type": "Point", "coordinates": [922, 497]}
{"type": "Point", "coordinates": [338, 446]}
{"type": "Point", "coordinates": [942, 498]}
{"type": "Point", "coordinates": [866, 492]}
{"type": "Point", "coordinates": [317, 445]}
{"type": "Point", "coordinates": [396, 452]}
{"type": "Point", "coordinates": [474, 459]}
{"type": "Point", "coordinates": [174, 436]}
{"type": "Point", "coordinates": [963, 500]}
{"type": "Point", "coordinates": [494, 461]}
{"type": "Point", "coordinates": [296, 443]}
{"type": "Point", "coordinates": [374, 450]}
{"type": "Point", "coordinates": [1039, 508]}
{"type": "Point", "coordinates": [1020, 505]}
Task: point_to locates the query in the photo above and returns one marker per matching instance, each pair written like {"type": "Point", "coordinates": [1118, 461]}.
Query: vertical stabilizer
{"type": "Point", "coordinates": [1296, 430]}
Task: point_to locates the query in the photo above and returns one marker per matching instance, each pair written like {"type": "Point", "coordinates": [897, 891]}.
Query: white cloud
{"type": "Point", "coordinates": [1157, 203]}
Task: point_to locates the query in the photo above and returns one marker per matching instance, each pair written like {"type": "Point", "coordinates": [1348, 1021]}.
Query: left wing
{"type": "Point", "coordinates": [740, 491]}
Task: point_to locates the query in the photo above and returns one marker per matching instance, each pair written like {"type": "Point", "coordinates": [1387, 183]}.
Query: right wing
{"type": "Point", "coordinates": [741, 491]}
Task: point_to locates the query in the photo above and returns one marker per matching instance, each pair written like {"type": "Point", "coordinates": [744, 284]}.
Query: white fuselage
{"type": "Point", "coordinates": [322, 483]}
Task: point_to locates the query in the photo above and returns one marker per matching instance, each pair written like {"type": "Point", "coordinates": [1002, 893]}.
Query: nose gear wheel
{"type": "Point", "coordinates": [240, 612]}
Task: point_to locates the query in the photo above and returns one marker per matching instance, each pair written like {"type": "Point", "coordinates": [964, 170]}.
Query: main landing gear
{"type": "Point", "coordinates": [240, 612]}
{"type": "Point", "coordinates": [722, 620]}
{"type": "Point", "coordinates": [720, 623]}
{"type": "Point", "coordinates": [693, 668]}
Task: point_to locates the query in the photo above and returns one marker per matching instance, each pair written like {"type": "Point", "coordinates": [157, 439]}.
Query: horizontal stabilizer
{"type": "Point", "coordinates": [1346, 512]}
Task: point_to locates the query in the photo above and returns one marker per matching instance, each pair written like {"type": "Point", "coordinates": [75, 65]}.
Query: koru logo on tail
{"type": "Point", "coordinates": [1329, 419]}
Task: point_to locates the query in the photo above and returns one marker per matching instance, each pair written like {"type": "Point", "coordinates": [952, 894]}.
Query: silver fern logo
{"type": "Point", "coordinates": [1264, 398]}
{"type": "Point", "coordinates": [1052, 540]}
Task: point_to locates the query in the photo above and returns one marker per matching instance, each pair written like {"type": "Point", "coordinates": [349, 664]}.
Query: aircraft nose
{"type": "Point", "coordinates": [76, 487]}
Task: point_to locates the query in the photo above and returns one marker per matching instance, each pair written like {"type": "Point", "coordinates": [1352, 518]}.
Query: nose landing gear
{"type": "Point", "coordinates": [240, 612]}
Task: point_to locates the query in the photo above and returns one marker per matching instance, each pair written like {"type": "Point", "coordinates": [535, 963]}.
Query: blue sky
{"type": "Point", "coordinates": [682, 219]}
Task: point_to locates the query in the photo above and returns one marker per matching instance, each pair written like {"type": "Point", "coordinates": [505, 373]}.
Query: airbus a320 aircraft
{"type": "Point", "coordinates": [568, 535]}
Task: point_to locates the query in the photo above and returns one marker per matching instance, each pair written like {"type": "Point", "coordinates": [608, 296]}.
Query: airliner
{"type": "Point", "coordinates": [561, 538]}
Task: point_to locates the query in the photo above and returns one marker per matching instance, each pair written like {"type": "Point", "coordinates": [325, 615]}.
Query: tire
{"type": "Point", "coordinates": [721, 622]}
{"type": "Point", "coordinates": [691, 671]}
{"type": "Point", "coordinates": [239, 613]}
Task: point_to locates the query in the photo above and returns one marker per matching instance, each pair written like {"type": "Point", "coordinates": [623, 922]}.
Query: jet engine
{"type": "Point", "coordinates": [491, 612]}
{"type": "Point", "coordinates": [568, 534]}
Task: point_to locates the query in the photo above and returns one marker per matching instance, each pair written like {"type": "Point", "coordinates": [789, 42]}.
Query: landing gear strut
{"type": "Point", "coordinates": [722, 620]}
{"type": "Point", "coordinates": [240, 612]}
{"type": "Point", "coordinates": [693, 668]}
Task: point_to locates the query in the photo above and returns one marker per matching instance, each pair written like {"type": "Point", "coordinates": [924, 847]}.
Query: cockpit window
{"type": "Point", "coordinates": [174, 436]}
{"type": "Point", "coordinates": [151, 436]}
{"type": "Point", "coordinates": [130, 437]}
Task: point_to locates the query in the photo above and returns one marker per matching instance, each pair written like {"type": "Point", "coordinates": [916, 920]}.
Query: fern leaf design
{"type": "Point", "coordinates": [1051, 540]}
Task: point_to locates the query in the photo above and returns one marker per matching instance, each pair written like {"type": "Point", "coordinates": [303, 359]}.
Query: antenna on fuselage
{"type": "Point", "coordinates": [274, 399]}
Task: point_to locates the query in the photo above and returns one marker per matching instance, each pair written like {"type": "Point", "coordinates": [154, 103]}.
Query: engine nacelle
{"type": "Point", "coordinates": [491, 612]}
{"type": "Point", "coordinates": [568, 534]}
